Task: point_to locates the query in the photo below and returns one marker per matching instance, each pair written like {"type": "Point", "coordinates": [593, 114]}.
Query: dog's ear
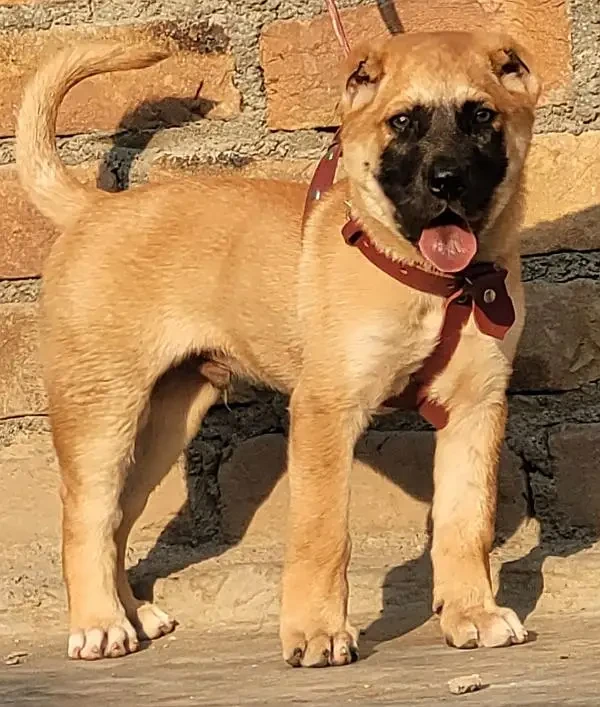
{"type": "Point", "coordinates": [511, 64]}
{"type": "Point", "coordinates": [363, 72]}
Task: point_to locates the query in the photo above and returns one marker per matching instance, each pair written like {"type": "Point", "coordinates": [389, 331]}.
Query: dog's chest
{"type": "Point", "coordinates": [392, 345]}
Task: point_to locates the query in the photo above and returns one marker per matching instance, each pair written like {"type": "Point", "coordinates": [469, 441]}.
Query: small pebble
{"type": "Point", "coordinates": [15, 658]}
{"type": "Point", "coordinates": [465, 684]}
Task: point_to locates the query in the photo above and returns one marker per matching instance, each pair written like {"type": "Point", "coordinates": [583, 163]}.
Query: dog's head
{"type": "Point", "coordinates": [435, 130]}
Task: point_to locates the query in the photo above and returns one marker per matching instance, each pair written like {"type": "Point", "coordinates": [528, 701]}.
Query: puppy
{"type": "Point", "coordinates": [147, 292]}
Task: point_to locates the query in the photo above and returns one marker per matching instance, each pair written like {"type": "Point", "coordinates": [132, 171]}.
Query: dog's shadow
{"type": "Point", "coordinates": [136, 130]}
{"type": "Point", "coordinates": [195, 534]}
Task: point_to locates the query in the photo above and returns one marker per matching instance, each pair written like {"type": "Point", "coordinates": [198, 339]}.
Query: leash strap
{"type": "Point", "coordinates": [323, 176]}
{"type": "Point", "coordinates": [338, 26]}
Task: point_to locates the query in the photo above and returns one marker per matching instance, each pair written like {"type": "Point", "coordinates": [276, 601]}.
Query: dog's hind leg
{"type": "Point", "coordinates": [176, 408]}
{"type": "Point", "coordinates": [94, 422]}
{"type": "Point", "coordinates": [112, 455]}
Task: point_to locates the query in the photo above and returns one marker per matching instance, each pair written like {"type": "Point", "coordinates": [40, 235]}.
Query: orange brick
{"type": "Point", "coordinates": [301, 59]}
{"type": "Point", "coordinates": [21, 389]}
{"type": "Point", "coordinates": [167, 90]}
{"type": "Point", "coordinates": [26, 234]}
{"type": "Point", "coordinates": [563, 202]}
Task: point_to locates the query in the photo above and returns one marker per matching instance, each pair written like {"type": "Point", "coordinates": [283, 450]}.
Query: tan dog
{"type": "Point", "coordinates": [145, 285]}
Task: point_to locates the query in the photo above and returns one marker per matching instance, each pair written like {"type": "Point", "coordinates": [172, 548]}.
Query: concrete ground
{"type": "Point", "coordinates": [558, 667]}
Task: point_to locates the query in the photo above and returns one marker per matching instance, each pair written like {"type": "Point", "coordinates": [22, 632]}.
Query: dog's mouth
{"type": "Point", "coordinates": [448, 242]}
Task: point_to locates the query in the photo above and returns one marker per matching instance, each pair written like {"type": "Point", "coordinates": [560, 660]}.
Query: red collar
{"type": "Point", "coordinates": [480, 289]}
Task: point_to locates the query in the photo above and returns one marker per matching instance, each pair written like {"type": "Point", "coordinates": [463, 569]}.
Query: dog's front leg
{"type": "Point", "coordinates": [464, 510]}
{"type": "Point", "coordinates": [314, 627]}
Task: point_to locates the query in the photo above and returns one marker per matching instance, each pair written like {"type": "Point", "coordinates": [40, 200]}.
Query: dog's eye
{"type": "Point", "coordinates": [400, 123]}
{"type": "Point", "coordinates": [484, 116]}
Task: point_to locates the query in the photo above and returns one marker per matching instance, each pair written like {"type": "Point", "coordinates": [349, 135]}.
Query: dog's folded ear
{"type": "Point", "coordinates": [363, 72]}
{"type": "Point", "coordinates": [511, 64]}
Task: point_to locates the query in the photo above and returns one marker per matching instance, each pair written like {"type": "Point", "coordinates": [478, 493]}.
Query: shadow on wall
{"type": "Point", "coordinates": [521, 582]}
{"type": "Point", "coordinates": [136, 130]}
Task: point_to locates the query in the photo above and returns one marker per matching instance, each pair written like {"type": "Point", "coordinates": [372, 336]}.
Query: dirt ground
{"type": "Point", "coordinates": [558, 667]}
{"type": "Point", "coordinates": [226, 598]}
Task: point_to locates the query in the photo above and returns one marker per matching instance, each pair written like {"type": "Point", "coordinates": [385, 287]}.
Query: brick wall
{"type": "Point", "coordinates": [252, 87]}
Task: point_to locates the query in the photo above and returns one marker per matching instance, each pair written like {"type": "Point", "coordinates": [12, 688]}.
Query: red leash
{"type": "Point", "coordinates": [338, 26]}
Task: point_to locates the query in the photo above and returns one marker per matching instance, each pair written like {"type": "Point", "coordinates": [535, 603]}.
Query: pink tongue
{"type": "Point", "coordinates": [449, 248]}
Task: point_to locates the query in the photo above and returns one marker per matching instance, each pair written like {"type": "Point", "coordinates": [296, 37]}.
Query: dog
{"type": "Point", "coordinates": [149, 293]}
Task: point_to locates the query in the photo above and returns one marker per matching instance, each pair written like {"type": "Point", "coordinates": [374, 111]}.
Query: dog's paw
{"type": "Point", "coordinates": [104, 639]}
{"type": "Point", "coordinates": [119, 636]}
{"type": "Point", "coordinates": [150, 621]}
{"type": "Point", "coordinates": [320, 649]}
{"type": "Point", "coordinates": [479, 627]}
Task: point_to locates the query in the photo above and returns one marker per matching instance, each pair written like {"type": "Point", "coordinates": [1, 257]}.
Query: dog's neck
{"type": "Point", "coordinates": [382, 232]}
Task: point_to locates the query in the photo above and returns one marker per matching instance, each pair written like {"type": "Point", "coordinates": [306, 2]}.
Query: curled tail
{"type": "Point", "coordinates": [59, 196]}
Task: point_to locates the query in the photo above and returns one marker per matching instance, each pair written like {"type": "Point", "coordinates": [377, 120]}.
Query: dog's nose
{"type": "Point", "coordinates": [446, 179]}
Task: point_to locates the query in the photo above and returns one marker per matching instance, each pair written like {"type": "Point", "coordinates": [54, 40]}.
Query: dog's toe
{"type": "Point", "coordinates": [151, 622]}
{"type": "Point", "coordinates": [109, 640]}
{"type": "Point", "coordinates": [321, 650]}
{"type": "Point", "coordinates": [481, 627]}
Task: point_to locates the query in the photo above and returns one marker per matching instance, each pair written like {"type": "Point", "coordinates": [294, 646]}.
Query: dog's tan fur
{"type": "Point", "coordinates": [141, 285]}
